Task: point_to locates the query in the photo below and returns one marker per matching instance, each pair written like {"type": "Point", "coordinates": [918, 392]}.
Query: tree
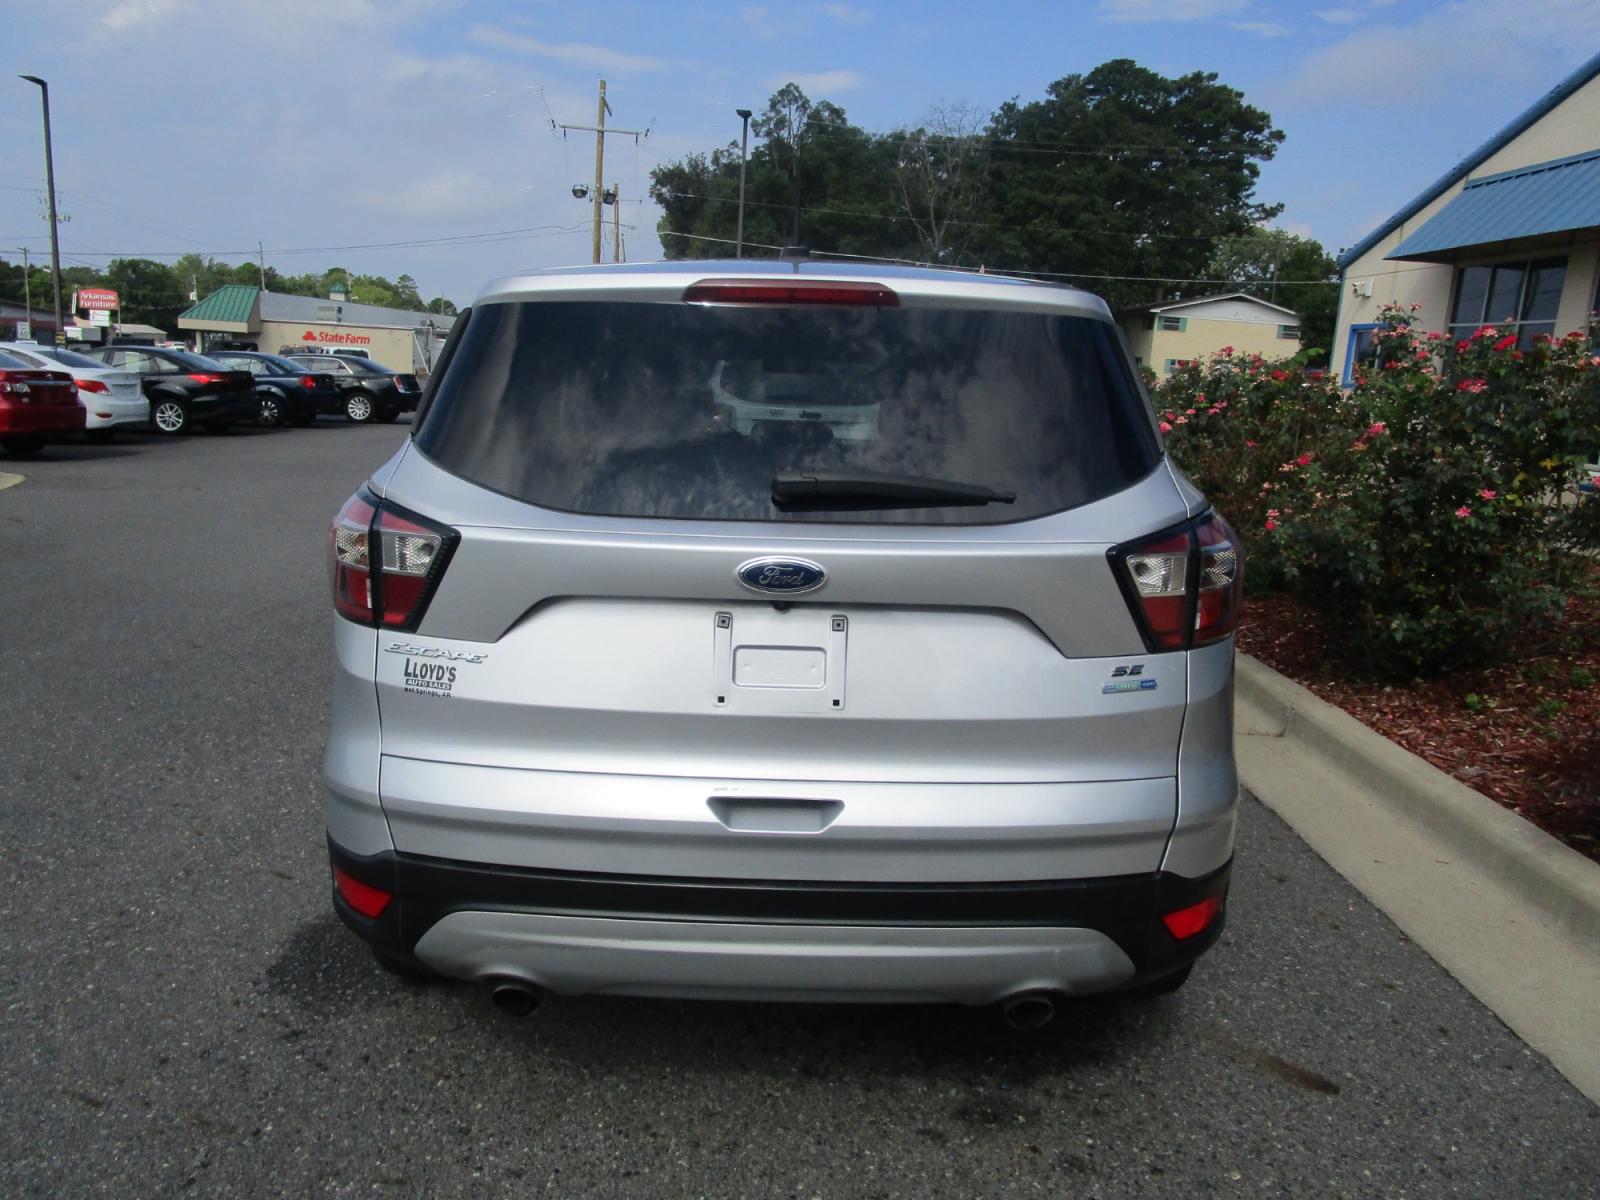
{"type": "Point", "coordinates": [442, 306]}
{"type": "Point", "coordinates": [149, 292]}
{"type": "Point", "coordinates": [940, 173]}
{"type": "Point", "coordinates": [1282, 268]}
{"type": "Point", "coordinates": [1124, 173]}
{"type": "Point", "coordinates": [405, 293]}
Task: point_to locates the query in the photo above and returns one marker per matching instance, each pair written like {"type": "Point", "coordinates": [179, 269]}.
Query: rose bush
{"type": "Point", "coordinates": [1433, 512]}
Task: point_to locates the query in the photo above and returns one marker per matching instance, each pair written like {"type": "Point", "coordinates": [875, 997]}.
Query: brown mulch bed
{"type": "Point", "coordinates": [1526, 734]}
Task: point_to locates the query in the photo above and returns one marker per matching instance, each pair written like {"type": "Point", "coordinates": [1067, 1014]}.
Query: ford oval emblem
{"type": "Point", "coordinates": [781, 576]}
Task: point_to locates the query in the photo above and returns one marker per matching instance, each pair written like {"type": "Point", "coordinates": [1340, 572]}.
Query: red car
{"type": "Point", "coordinates": [35, 406]}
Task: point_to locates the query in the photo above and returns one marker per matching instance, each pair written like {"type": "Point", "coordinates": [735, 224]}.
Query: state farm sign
{"type": "Point", "coordinates": [97, 299]}
{"type": "Point", "coordinates": [329, 338]}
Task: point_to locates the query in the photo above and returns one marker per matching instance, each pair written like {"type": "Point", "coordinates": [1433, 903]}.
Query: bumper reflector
{"type": "Point", "coordinates": [1187, 922]}
{"type": "Point", "coordinates": [363, 897]}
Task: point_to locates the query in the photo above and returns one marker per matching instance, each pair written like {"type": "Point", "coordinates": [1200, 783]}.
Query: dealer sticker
{"type": "Point", "coordinates": [435, 679]}
{"type": "Point", "coordinates": [1128, 685]}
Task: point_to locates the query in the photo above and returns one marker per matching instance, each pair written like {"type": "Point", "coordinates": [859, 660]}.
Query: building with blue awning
{"type": "Point", "coordinates": [1511, 233]}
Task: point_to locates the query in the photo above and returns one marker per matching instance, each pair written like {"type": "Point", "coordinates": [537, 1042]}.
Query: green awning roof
{"type": "Point", "coordinates": [233, 304]}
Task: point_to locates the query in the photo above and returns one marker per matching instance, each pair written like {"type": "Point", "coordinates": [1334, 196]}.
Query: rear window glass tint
{"type": "Point", "coordinates": [688, 411]}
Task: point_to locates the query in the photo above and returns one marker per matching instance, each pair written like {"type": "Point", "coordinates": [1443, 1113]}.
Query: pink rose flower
{"type": "Point", "coordinates": [1166, 428]}
{"type": "Point", "coordinates": [1506, 342]}
{"type": "Point", "coordinates": [1472, 385]}
{"type": "Point", "coordinates": [1304, 460]}
{"type": "Point", "coordinates": [1271, 525]}
{"type": "Point", "coordinates": [1463, 512]}
{"type": "Point", "coordinates": [1182, 421]}
{"type": "Point", "coordinates": [1376, 428]}
{"type": "Point", "coordinates": [1488, 493]}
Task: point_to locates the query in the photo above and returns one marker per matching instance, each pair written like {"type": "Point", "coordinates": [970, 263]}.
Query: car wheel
{"type": "Point", "coordinates": [170, 416]}
{"type": "Point", "coordinates": [358, 407]}
{"type": "Point", "coordinates": [22, 447]}
{"type": "Point", "coordinates": [271, 414]}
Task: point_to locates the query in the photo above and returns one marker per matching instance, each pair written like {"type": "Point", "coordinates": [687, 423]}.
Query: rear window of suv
{"type": "Point", "coordinates": [689, 411]}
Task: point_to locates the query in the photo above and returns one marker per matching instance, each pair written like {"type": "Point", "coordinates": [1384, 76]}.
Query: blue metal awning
{"type": "Point", "coordinates": [1545, 198]}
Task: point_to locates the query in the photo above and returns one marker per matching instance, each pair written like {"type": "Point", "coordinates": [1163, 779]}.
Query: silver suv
{"type": "Point", "coordinates": [784, 630]}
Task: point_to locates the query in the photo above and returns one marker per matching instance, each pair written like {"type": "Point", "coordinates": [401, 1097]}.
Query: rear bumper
{"type": "Point", "coordinates": [970, 943]}
{"type": "Point", "coordinates": [17, 420]}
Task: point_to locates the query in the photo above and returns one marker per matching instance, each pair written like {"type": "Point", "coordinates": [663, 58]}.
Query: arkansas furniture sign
{"type": "Point", "coordinates": [96, 300]}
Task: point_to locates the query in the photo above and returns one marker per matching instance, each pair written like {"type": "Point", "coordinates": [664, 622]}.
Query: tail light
{"type": "Point", "coordinates": [92, 385]}
{"type": "Point", "coordinates": [363, 897]}
{"type": "Point", "coordinates": [1184, 585]}
{"type": "Point", "coordinates": [308, 381]}
{"type": "Point", "coordinates": [1196, 919]}
{"type": "Point", "coordinates": [386, 562]}
{"type": "Point", "coordinates": [762, 291]}
{"type": "Point", "coordinates": [203, 377]}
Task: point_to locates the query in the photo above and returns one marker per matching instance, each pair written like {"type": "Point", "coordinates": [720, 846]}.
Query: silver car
{"type": "Point", "coordinates": [916, 685]}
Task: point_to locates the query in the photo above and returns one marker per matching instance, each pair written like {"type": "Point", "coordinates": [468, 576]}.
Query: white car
{"type": "Point", "coordinates": [110, 397]}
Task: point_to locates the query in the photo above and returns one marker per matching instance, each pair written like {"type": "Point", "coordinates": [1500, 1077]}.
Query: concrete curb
{"type": "Point", "coordinates": [1552, 878]}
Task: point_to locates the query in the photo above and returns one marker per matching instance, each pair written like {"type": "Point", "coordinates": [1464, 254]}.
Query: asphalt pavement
{"type": "Point", "coordinates": [181, 1014]}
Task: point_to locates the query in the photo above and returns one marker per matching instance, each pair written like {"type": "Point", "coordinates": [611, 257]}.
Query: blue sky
{"type": "Point", "coordinates": [207, 125]}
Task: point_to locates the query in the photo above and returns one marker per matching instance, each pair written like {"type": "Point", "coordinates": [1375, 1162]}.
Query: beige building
{"type": "Point", "coordinates": [1511, 233]}
{"type": "Point", "coordinates": [246, 317]}
{"type": "Point", "coordinates": [1165, 335]}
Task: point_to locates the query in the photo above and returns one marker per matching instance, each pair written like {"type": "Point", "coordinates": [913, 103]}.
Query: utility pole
{"type": "Point", "coordinates": [261, 264]}
{"type": "Point", "coordinates": [744, 151]}
{"type": "Point", "coordinates": [50, 182]}
{"type": "Point", "coordinates": [616, 223]}
{"type": "Point", "coordinates": [599, 130]}
{"type": "Point", "coordinates": [27, 289]}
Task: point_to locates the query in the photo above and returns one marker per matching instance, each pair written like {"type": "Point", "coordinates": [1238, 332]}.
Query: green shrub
{"type": "Point", "coordinates": [1432, 514]}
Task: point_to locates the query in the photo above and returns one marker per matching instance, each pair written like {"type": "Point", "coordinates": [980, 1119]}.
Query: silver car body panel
{"type": "Point", "coordinates": [600, 694]}
{"type": "Point", "coordinates": [717, 960]}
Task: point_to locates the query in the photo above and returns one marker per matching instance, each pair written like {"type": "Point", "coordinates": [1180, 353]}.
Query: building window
{"type": "Point", "coordinates": [1526, 294]}
{"type": "Point", "coordinates": [1289, 331]}
{"type": "Point", "coordinates": [1362, 351]}
{"type": "Point", "coordinates": [1171, 365]}
{"type": "Point", "coordinates": [1174, 324]}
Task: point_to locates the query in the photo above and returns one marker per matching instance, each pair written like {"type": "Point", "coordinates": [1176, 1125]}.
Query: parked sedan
{"type": "Point", "coordinates": [186, 389]}
{"type": "Point", "coordinates": [111, 398]}
{"type": "Point", "coordinates": [371, 392]}
{"type": "Point", "coordinates": [35, 406]}
{"type": "Point", "coordinates": [289, 394]}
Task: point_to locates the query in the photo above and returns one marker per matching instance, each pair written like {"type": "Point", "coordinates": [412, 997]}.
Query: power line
{"type": "Point", "coordinates": [464, 239]}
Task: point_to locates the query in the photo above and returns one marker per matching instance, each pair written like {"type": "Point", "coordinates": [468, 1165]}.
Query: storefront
{"type": "Point", "coordinates": [245, 317]}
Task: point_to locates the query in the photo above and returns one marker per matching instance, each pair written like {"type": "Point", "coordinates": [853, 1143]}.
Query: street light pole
{"type": "Point", "coordinates": [744, 147]}
{"type": "Point", "coordinates": [50, 182]}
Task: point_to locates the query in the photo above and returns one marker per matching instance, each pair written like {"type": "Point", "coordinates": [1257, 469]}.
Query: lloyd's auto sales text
{"type": "Point", "coordinates": [341, 339]}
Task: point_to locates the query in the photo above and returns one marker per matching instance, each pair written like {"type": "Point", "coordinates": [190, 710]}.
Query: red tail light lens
{"type": "Point", "coordinates": [1185, 585]}
{"type": "Point", "coordinates": [1194, 920]}
{"type": "Point", "coordinates": [386, 562]}
{"type": "Point", "coordinates": [363, 897]}
{"type": "Point", "coordinates": [308, 381]}
{"type": "Point", "coordinates": [92, 385]}
{"type": "Point", "coordinates": [1220, 582]}
{"type": "Point", "coordinates": [203, 377]}
{"type": "Point", "coordinates": [350, 557]}
{"type": "Point", "coordinates": [762, 291]}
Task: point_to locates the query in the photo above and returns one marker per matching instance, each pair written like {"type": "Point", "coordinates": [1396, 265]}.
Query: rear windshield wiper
{"type": "Point", "coordinates": [851, 489]}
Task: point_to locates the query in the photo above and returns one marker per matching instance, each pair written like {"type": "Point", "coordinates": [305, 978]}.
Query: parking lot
{"type": "Point", "coordinates": [182, 1012]}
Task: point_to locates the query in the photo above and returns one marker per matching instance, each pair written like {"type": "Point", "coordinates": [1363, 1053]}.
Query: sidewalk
{"type": "Point", "coordinates": [1505, 908]}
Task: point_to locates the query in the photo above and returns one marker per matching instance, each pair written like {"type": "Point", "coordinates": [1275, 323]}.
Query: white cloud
{"type": "Point", "coordinates": [127, 14]}
{"type": "Point", "coordinates": [1168, 10]}
{"type": "Point", "coordinates": [1267, 29]}
{"type": "Point", "coordinates": [1433, 53]}
{"type": "Point", "coordinates": [819, 84]}
{"type": "Point", "coordinates": [847, 14]}
{"type": "Point", "coordinates": [449, 192]}
{"type": "Point", "coordinates": [1339, 16]}
{"type": "Point", "coordinates": [580, 54]}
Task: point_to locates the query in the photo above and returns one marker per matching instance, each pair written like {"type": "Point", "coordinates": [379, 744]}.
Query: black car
{"type": "Point", "coordinates": [186, 389]}
{"type": "Point", "coordinates": [371, 392]}
{"type": "Point", "coordinates": [289, 393]}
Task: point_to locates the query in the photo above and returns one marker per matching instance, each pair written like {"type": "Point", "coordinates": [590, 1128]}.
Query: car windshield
{"type": "Point", "coordinates": [365, 366]}
{"type": "Point", "coordinates": [692, 411]}
{"type": "Point", "coordinates": [68, 358]}
{"type": "Point", "coordinates": [195, 362]}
